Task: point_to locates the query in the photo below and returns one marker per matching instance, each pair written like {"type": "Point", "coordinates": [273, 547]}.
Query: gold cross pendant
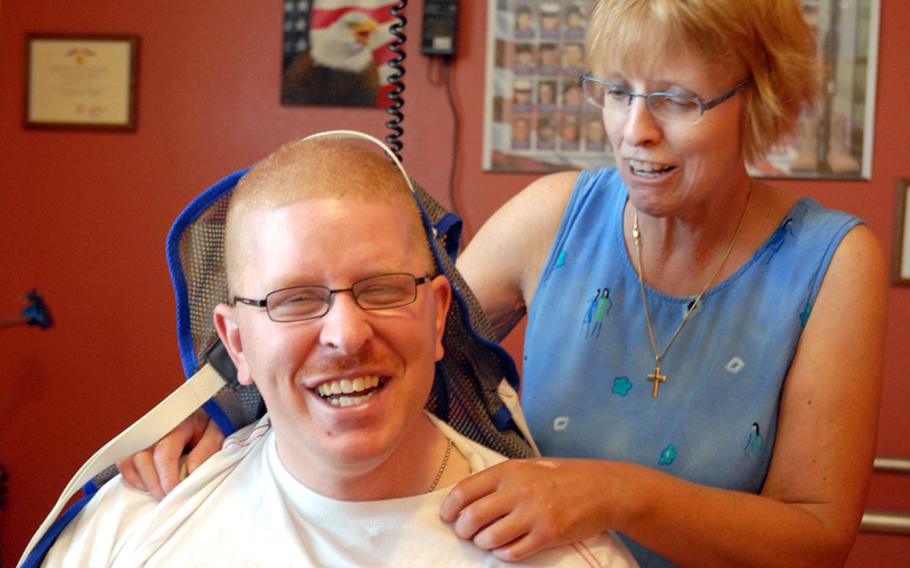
{"type": "Point", "coordinates": [656, 378]}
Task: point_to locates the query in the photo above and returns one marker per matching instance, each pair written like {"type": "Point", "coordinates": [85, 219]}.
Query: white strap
{"type": "Point", "coordinates": [143, 433]}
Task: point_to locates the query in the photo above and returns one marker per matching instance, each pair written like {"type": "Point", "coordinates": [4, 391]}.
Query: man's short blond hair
{"type": "Point", "coordinates": [770, 39]}
{"type": "Point", "coordinates": [342, 169]}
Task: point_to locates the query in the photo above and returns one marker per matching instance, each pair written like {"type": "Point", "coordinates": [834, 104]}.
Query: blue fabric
{"type": "Point", "coordinates": [172, 249]}
{"type": "Point", "coordinates": [37, 555]}
{"type": "Point", "coordinates": [587, 354]}
{"type": "Point", "coordinates": [450, 226]}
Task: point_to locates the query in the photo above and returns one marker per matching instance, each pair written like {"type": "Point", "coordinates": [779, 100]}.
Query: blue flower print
{"type": "Point", "coordinates": [621, 386]}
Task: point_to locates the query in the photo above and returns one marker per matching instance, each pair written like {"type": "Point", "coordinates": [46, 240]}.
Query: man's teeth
{"type": "Point", "coordinates": [350, 400]}
{"type": "Point", "coordinates": [357, 387]}
{"type": "Point", "coordinates": [647, 167]}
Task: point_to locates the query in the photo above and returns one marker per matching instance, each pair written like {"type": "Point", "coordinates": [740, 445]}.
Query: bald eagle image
{"type": "Point", "coordinates": [338, 69]}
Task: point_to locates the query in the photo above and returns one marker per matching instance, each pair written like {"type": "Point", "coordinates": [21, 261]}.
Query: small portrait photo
{"type": "Point", "coordinates": [572, 96]}
{"type": "Point", "coordinates": [524, 22]}
{"type": "Point", "coordinates": [521, 133]}
{"type": "Point", "coordinates": [595, 135]}
{"type": "Point", "coordinates": [550, 24]}
{"type": "Point", "coordinates": [569, 134]}
{"type": "Point", "coordinates": [546, 133]}
{"type": "Point", "coordinates": [546, 96]}
{"type": "Point", "coordinates": [521, 96]}
{"type": "Point", "coordinates": [549, 59]}
{"type": "Point", "coordinates": [574, 22]}
{"type": "Point", "coordinates": [524, 59]}
{"type": "Point", "coordinates": [573, 58]}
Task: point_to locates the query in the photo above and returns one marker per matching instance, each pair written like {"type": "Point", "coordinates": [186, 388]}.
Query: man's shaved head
{"type": "Point", "coordinates": [322, 168]}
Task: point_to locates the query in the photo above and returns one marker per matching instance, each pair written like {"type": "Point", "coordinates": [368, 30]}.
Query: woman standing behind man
{"type": "Point", "coordinates": [728, 406]}
{"type": "Point", "coordinates": [725, 411]}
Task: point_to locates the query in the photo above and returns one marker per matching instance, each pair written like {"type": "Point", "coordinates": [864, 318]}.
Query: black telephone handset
{"type": "Point", "coordinates": [440, 19]}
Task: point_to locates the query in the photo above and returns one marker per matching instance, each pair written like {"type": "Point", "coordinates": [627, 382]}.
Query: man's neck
{"type": "Point", "coordinates": [412, 469]}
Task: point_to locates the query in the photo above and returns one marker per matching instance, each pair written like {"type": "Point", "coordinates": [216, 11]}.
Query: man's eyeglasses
{"type": "Point", "coordinates": [299, 303]}
{"type": "Point", "coordinates": [669, 107]}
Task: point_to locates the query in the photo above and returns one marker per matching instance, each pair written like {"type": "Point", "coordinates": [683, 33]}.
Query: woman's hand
{"type": "Point", "coordinates": [157, 469]}
{"type": "Point", "coordinates": [519, 507]}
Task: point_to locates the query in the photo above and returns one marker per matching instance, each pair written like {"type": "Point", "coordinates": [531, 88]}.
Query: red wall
{"type": "Point", "coordinates": [83, 216]}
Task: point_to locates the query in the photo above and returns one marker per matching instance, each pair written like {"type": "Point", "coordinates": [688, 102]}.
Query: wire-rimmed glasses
{"type": "Point", "coordinates": [669, 107]}
{"type": "Point", "coordinates": [300, 303]}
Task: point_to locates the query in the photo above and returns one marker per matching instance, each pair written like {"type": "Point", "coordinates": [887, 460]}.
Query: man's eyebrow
{"type": "Point", "coordinates": [367, 272]}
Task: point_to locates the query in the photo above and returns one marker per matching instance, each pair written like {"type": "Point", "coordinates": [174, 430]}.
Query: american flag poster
{"type": "Point", "coordinates": [336, 52]}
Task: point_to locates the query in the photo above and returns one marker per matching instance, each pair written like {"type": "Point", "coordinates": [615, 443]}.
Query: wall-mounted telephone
{"type": "Point", "coordinates": [439, 22]}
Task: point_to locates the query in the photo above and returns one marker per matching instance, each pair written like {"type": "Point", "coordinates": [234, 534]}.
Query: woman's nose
{"type": "Point", "coordinates": [641, 127]}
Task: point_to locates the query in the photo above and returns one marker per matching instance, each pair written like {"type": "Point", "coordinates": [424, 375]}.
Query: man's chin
{"type": "Point", "coordinates": [349, 439]}
{"type": "Point", "coordinates": [352, 466]}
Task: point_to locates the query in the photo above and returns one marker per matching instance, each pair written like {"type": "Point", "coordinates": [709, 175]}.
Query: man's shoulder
{"type": "Point", "coordinates": [249, 435]}
{"type": "Point", "coordinates": [117, 513]}
{"type": "Point", "coordinates": [96, 532]}
{"type": "Point", "coordinates": [479, 456]}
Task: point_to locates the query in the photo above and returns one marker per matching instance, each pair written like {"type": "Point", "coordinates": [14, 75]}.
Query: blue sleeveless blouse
{"type": "Point", "coordinates": [587, 356]}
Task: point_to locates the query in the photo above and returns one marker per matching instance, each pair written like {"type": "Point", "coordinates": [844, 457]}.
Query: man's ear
{"type": "Point", "coordinates": [442, 296]}
{"type": "Point", "coordinates": [229, 332]}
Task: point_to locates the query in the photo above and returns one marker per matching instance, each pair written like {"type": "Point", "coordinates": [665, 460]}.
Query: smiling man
{"type": "Point", "coordinates": [337, 316]}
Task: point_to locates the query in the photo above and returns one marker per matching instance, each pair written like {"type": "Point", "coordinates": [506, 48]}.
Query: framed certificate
{"type": "Point", "coordinates": [900, 260]}
{"type": "Point", "coordinates": [81, 81]}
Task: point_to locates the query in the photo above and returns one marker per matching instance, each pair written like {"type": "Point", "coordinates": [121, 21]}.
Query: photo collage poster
{"type": "Point", "coordinates": [834, 139]}
{"type": "Point", "coordinates": [537, 121]}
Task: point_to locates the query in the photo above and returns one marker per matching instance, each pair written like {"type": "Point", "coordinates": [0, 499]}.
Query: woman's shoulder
{"type": "Point", "coordinates": [552, 193]}
{"type": "Point", "coordinates": [784, 213]}
{"type": "Point", "coordinates": [810, 240]}
{"type": "Point", "coordinates": [787, 205]}
{"type": "Point", "coordinates": [540, 204]}
{"type": "Point", "coordinates": [544, 204]}
{"type": "Point", "coordinates": [817, 214]}
{"type": "Point", "coordinates": [559, 184]}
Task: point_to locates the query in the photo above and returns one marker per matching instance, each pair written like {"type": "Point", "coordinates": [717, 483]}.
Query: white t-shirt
{"type": "Point", "coordinates": [243, 508]}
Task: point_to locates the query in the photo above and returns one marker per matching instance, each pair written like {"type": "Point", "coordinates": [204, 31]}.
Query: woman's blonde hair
{"type": "Point", "coordinates": [769, 38]}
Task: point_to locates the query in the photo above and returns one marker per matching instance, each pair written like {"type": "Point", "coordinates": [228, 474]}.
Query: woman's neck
{"type": "Point", "coordinates": [681, 252]}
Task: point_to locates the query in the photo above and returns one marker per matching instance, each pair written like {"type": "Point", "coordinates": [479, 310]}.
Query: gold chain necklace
{"type": "Point", "coordinates": [657, 377]}
{"type": "Point", "coordinates": [442, 468]}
